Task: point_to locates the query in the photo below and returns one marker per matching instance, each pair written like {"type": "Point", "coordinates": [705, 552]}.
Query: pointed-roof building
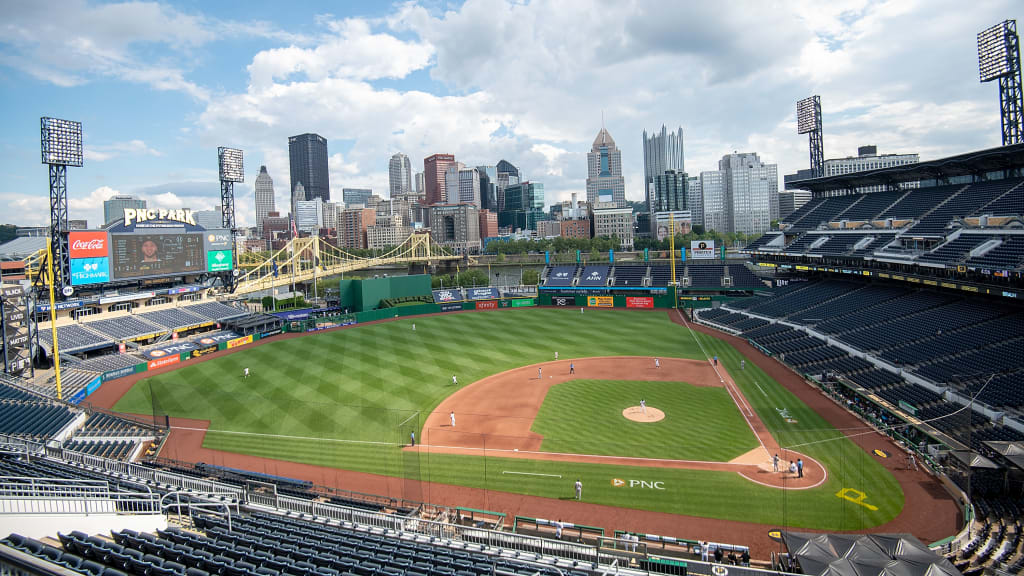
{"type": "Point", "coordinates": [604, 171]}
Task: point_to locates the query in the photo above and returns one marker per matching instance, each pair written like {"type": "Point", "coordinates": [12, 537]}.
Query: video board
{"type": "Point", "coordinates": [141, 255]}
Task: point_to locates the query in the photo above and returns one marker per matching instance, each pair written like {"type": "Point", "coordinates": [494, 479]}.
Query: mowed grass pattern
{"type": "Point", "coordinates": [334, 399]}
{"type": "Point", "coordinates": [585, 417]}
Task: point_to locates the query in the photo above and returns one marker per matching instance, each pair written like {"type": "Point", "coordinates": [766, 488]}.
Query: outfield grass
{"type": "Point", "coordinates": [585, 417]}
{"type": "Point", "coordinates": [335, 399]}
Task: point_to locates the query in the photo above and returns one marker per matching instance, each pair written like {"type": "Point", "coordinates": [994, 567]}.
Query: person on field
{"type": "Point", "coordinates": [792, 468]}
{"type": "Point", "coordinates": [413, 326]}
{"type": "Point", "coordinates": [412, 438]}
{"type": "Point", "coordinates": [743, 364]}
{"type": "Point", "coordinates": [572, 368]}
{"type": "Point", "coordinates": [245, 373]}
{"type": "Point", "coordinates": [579, 489]}
{"type": "Point", "coordinates": [556, 354]}
{"type": "Point", "coordinates": [581, 310]}
{"type": "Point", "coordinates": [643, 405]}
{"type": "Point", "coordinates": [539, 374]}
{"type": "Point", "coordinates": [716, 359]}
{"type": "Point", "coordinates": [799, 467]}
{"type": "Point", "coordinates": [657, 363]}
{"type": "Point", "coordinates": [451, 415]}
{"type": "Point", "coordinates": [775, 462]}
{"type": "Point", "coordinates": [455, 381]}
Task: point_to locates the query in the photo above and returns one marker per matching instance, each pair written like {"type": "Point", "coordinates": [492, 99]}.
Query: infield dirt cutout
{"type": "Point", "coordinates": [645, 415]}
{"type": "Point", "coordinates": [495, 416]}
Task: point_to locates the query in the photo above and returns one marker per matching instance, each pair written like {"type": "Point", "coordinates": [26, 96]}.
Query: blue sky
{"type": "Point", "coordinates": [158, 86]}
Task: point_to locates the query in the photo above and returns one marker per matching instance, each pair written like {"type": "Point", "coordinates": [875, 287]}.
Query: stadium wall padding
{"type": "Point", "coordinates": [347, 294]}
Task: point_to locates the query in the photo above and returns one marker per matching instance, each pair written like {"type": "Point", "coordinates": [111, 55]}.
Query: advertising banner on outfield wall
{"type": "Point", "coordinates": [77, 397]}
{"type": "Point", "coordinates": [563, 301]}
{"type": "Point", "coordinates": [154, 364]}
{"type": "Point", "coordinates": [93, 386]}
{"type": "Point", "coordinates": [240, 341]}
{"type": "Point", "coordinates": [600, 301]}
{"type": "Point", "coordinates": [119, 373]}
{"type": "Point", "coordinates": [451, 307]}
{"type": "Point", "coordinates": [482, 293]}
{"type": "Point", "coordinates": [216, 338]}
{"type": "Point", "coordinates": [639, 302]}
{"type": "Point", "coordinates": [487, 305]}
{"type": "Point", "coordinates": [204, 351]}
{"type": "Point", "coordinates": [450, 295]}
{"type": "Point", "coordinates": [524, 302]}
{"type": "Point", "coordinates": [170, 350]}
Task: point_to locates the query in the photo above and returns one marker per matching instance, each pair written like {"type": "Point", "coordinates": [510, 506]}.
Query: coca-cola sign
{"type": "Point", "coordinates": [88, 244]}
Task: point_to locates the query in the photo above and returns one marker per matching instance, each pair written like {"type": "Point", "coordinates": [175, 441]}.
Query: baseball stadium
{"type": "Point", "coordinates": [842, 396]}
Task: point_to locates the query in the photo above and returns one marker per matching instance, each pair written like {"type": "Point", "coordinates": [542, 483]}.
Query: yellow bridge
{"type": "Point", "coordinates": [306, 259]}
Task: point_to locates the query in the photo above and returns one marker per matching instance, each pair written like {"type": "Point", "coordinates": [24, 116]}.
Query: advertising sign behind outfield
{"type": "Point", "coordinates": [482, 293]}
{"type": "Point", "coordinates": [600, 301]}
{"type": "Point", "coordinates": [167, 361]}
{"type": "Point", "coordinates": [524, 302]}
{"type": "Point", "coordinates": [487, 305]}
{"type": "Point", "coordinates": [639, 302]}
{"type": "Point", "coordinates": [702, 249]}
{"type": "Point", "coordinates": [171, 350]}
{"type": "Point", "coordinates": [240, 341]}
{"type": "Point", "coordinates": [563, 301]}
{"type": "Point", "coordinates": [451, 307]}
{"type": "Point", "coordinates": [449, 295]}
{"type": "Point", "coordinates": [88, 244]}
{"type": "Point", "coordinates": [119, 373]}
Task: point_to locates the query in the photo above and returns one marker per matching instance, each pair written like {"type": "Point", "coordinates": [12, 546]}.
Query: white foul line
{"type": "Point", "coordinates": [531, 474]}
{"type": "Point", "coordinates": [761, 389]}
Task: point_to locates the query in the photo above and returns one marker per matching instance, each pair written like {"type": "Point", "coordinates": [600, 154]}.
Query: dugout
{"type": "Point", "coordinates": [359, 295]}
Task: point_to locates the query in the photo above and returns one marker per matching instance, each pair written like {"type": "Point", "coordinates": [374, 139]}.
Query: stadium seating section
{"type": "Point", "coordinates": [96, 334]}
{"type": "Point", "coordinates": [932, 215]}
{"type": "Point", "coordinates": [975, 345]}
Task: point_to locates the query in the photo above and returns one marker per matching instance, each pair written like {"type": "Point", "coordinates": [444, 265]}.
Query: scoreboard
{"type": "Point", "coordinates": [144, 255]}
{"type": "Point", "coordinates": [149, 244]}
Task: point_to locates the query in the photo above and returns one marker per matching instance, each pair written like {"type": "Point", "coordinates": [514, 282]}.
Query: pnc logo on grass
{"type": "Point", "coordinates": [648, 484]}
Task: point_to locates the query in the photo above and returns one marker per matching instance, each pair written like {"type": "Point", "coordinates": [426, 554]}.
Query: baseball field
{"type": "Point", "coordinates": [347, 399]}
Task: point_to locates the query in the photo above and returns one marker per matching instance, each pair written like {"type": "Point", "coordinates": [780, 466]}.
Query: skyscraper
{"type": "Point", "coordinates": [434, 169]}
{"type": "Point", "coordinates": [264, 198]}
{"type": "Point", "coordinates": [488, 188]}
{"type": "Point", "coordinates": [695, 200]}
{"type": "Point", "coordinates": [508, 174]}
{"type": "Point", "coordinates": [298, 195]}
{"type": "Point", "coordinates": [712, 188]}
{"type": "Point", "coordinates": [463, 184]}
{"type": "Point", "coordinates": [307, 163]}
{"type": "Point", "coordinates": [419, 184]}
{"type": "Point", "coordinates": [662, 151]}
{"type": "Point", "coordinates": [751, 192]}
{"type": "Point", "coordinates": [113, 207]}
{"type": "Point", "coordinates": [399, 175]}
{"type": "Point", "coordinates": [353, 196]}
{"type": "Point", "coordinates": [670, 192]}
{"type": "Point", "coordinates": [604, 172]}
{"type": "Point", "coordinates": [524, 206]}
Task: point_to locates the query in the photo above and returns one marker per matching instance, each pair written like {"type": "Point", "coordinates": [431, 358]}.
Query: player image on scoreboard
{"type": "Point", "coordinates": [141, 255]}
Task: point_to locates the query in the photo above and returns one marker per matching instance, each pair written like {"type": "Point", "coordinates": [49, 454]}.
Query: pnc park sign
{"type": "Point", "coordinates": [646, 484]}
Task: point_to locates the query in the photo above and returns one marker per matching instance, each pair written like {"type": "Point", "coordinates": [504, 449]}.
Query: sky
{"type": "Point", "coordinates": [159, 86]}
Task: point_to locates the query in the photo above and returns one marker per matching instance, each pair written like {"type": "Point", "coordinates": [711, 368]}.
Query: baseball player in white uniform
{"type": "Point", "coordinates": [455, 381]}
{"type": "Point", "coordinates": [451, 416]}
{"type": "Point", "coordinates": [579, 489]}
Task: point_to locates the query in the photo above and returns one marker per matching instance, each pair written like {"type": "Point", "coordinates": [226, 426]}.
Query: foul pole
{"type": "Point", "coordinates": [53, 318]}
{"type": "Point", "coordinates": [672, 245]}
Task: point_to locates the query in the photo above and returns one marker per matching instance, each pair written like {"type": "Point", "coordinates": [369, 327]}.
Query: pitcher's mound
{"type": "Point", "coordinates": [636, 414]}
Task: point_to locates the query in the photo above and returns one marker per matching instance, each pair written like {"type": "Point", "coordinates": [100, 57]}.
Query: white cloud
{"type": "Point", "coordinates": [103, 152]}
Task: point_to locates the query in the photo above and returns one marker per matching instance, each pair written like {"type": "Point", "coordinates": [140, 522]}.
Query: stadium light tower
{"type": "Point", "coordinates": [808, 121]}
{"type": "Point", "coordinates": [999, 59]}
{"type": "Point", "coordinates": [229, 161]}
{"type": "Point", "coordinates": [61, 145]}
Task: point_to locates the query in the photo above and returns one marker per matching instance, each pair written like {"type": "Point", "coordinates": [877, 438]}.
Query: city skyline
{"type": "Point", "coordinates": [157, 100]}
